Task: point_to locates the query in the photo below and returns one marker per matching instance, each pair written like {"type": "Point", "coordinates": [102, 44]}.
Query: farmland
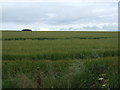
{"type": "Point", "coordinates": [59, 59]}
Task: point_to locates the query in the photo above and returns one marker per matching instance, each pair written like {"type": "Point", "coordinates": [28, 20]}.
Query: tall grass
{"type": "Point", "coordinates": [59, 74]}
{"type": "Point", "coordinates": [60, 48]}
{"type": "Point", "coordinates": [59, 59]}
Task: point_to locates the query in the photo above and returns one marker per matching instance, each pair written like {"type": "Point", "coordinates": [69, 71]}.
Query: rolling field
{"type": "Point", "coordinates": [59, 59]}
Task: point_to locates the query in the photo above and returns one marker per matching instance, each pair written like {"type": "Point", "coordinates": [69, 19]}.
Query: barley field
{"type": "Point", "coordinates": [59, 59]}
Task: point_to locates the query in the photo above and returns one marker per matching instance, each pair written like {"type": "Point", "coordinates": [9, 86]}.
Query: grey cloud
{"type": "Point", "coordinates": [54, 13]}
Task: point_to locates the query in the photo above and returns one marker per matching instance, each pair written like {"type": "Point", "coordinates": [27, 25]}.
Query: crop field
{"type": "Point", "coordinates": [59, 59]}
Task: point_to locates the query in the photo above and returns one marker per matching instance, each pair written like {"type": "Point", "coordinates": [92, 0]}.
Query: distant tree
{"type": "Point", "coordinates": [26, 30]}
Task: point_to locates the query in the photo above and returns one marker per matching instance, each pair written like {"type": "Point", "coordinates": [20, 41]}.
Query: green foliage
{"type": "Point", "coordinates": [55, 46]}
{"type": "Point", "coordinates": [65, 59]}
{"type": "Point", "coordinates": [62, 73]}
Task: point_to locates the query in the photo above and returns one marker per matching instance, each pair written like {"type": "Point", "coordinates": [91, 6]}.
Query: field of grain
{"type": "Point", "coordinates": [59, 59]}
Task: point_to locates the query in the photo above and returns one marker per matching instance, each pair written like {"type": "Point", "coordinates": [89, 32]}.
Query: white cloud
{"type": "Point", "coordinates": [56, 15]}
{"type": "Point", "coordinates": [51, 15]}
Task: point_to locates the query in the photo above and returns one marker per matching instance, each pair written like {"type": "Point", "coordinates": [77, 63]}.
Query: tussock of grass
{"type": "Point", "coordinates": [70, 73]}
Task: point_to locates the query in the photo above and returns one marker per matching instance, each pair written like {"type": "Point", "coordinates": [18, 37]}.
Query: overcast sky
{"type": "Point", "coordinates": [59, 16]}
